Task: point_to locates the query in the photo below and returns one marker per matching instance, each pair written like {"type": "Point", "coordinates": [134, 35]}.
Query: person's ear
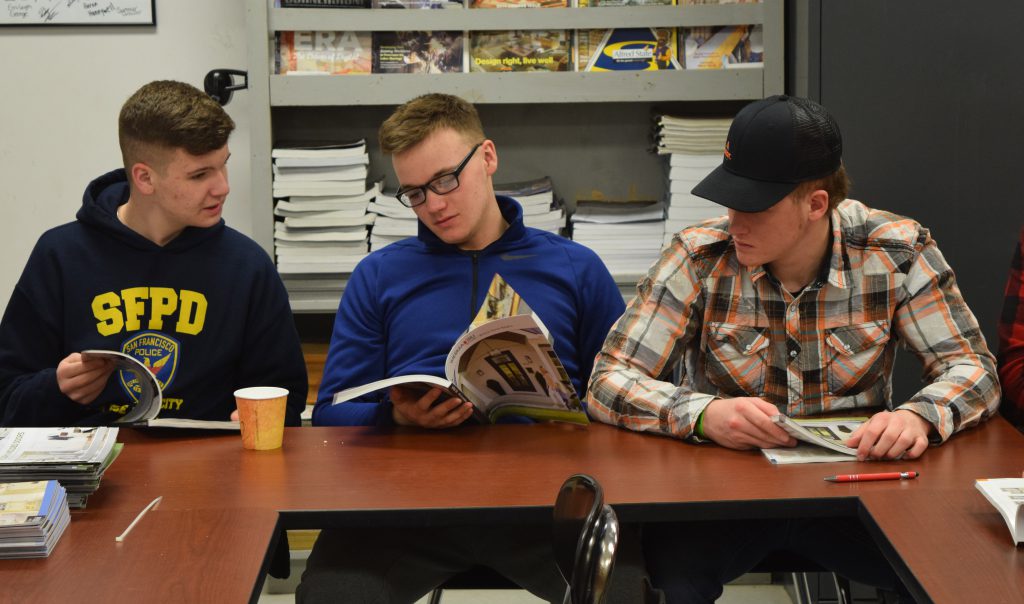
{"type": "Point", "coordinates": [818, 204]}
{"type": "Point", "coordinates": [490, 156]}
{"type": "Point", "coordinates": [141, 176]}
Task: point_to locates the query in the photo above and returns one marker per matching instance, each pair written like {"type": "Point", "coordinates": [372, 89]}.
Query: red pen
{"type": "Point", "coordinates": [879, 476]}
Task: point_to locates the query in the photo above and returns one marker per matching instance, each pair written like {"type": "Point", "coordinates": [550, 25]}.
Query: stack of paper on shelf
{"type": "Point", "coordinates": [694, 135]}
{"type": "Point", "coordinates": [310, 238]}
{"type": "Point", "coordinates": [392, 222]}
{"type": "Point", "coordinates": [77, 457]}
{"type": "Point", "coordinates": [540, 208]}
{"type": "Point", "coordinates": [33, 516]}
{"type": "Point", "coordinates": [321, 229]}
{"type": "Point", "coordinates": [694, 148]}
{"type": "Point", "coordinates": [625, 234]}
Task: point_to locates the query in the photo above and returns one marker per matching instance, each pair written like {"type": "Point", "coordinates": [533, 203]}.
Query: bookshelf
{"type": "Point", "coordinates": [596, 126]}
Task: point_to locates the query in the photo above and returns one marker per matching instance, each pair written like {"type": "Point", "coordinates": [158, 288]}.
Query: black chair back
{"type": "Point", "coordinates": [585, 539]}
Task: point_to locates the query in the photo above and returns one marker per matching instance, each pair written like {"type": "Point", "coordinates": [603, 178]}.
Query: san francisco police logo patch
{"type": "Point", "coordinates": [158, 353]}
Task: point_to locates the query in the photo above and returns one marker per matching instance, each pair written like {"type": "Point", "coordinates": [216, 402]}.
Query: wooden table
{"type": "Point", "coordinates": [209, 538]}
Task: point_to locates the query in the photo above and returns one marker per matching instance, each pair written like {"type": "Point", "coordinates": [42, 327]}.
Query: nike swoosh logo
{"type": "Point", "coordinates": [508, 257]}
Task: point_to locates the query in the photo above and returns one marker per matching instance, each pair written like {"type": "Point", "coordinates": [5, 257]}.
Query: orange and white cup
{"type": "Point", "coordinates": [261, 411]}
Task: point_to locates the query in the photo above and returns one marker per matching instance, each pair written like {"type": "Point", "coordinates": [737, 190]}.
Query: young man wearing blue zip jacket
{"type": "Point", "coordinates": [402, 310]}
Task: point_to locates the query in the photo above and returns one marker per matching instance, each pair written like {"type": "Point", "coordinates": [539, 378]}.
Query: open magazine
{"type": "Point", "coordinates": [1007, 496]}
{"type": "Point", "coordinates": [503, 364]}
{"type": "Point", "coordinates": [141, 383]}
{"type": "Point", "coordinates": [827, 434]}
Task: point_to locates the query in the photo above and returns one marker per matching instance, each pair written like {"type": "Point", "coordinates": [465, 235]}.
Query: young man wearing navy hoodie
{"type": "Point", "coordinates": [404, 307]}
{"type": "Point", "coordinates": [150, 269]}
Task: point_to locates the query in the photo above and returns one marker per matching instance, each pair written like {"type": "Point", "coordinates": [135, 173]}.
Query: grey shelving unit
{"type": "Point", "coordinates": [555, 123]}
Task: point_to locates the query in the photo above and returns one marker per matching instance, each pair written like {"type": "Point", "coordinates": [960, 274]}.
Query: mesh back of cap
{"type": "Point", "coordinates": [818, 141]}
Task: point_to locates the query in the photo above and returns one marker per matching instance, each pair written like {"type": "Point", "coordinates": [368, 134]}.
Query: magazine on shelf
{"type": "Point", "coordinates": [719, 1]}
{"type": "Point", "coordinates": [725, 47]}
{"type": "Point", "coordinates": [520, 50]}
{"type": "Point", "coordinates": [627, 2]}
{"type": "Point", "coordinates": [519, 3]}
{"type": "Point", "coordinates": [627, 49]}
{"type": "Point", "coordinates": [418, 52]}
{"type": "Point", "coordinates": [1007, 496]}
{"type": "Point", "coordinates": [416, 4]}
{"type": "Point", "coordinates": [325, 4]}
{"type": "Point", "coordinates": [503, 364]}
{"type": "Point", "coordinates": [323, 52]}
{"type": "Point", "coordinates": [821, 439]}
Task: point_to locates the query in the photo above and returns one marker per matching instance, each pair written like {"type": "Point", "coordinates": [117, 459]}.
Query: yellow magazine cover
{"type": "Point", "coordinates": [520, 50]}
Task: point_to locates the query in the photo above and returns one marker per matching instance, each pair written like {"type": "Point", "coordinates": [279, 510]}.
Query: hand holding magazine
{"type": "Point", "coordinates": [503, 364]}
{"type": "Point", "coordinates": [827, 433]}
{"type": "Point", "coordinates": [145, 389]}
{"type": "Point", "coordinates": [138, 380]}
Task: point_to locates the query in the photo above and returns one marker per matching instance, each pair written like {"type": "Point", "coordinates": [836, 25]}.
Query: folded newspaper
{"type": "Point", "coordinates": [504, 364]}
{"type": "Point", "coordinates": [821, 439]}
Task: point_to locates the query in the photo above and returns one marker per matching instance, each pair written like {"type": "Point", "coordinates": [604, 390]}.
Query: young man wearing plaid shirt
{"type": "Point", "coordinates": [794, 304]}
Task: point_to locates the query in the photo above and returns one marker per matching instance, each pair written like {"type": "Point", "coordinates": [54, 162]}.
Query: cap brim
{"type": "Point", "coordinates": [741, 193]}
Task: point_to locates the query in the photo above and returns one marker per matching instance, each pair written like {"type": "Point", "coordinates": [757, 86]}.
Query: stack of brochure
{"type": "Point", "coordinates": [321, 231]}
{"type": "Point", "coordinates": [694, 148]}
{"type": "Point", "coordinates": [392, 221]}
{"type": "Point", "coordinates": [625, 234]}
{"type": "Point", "coordinates": [540, 209]}
{"type": "Point", "coordinates": [33, 516]}
{"type": "Point", "coordinates": [77, 457]}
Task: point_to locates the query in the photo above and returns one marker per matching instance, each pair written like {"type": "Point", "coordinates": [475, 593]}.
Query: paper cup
{"type": "Point", "coordinates": [261, 416]}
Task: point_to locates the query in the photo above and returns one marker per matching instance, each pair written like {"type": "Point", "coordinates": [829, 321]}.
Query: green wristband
{"type": "Point", "coordinates": [699, 429]}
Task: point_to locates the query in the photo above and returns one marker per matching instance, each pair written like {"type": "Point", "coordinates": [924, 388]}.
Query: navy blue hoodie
{"type": "Point", "coordinates": [207, 312]}
{"type": "Point", "coordinates": [407, 303]}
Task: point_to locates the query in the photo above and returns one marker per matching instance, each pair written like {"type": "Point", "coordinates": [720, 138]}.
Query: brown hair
{"type": "Point", "coordinates": [426, 114]}
{"type": "Point", "coordinates": [837, 185]}
{"type": "Point", "coordinates": [166, 115]}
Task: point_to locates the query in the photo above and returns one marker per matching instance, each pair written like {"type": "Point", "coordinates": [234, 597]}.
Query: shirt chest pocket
{"type": "Point", "coordinates": [736, 358]}
{"type": "Point", "coordinates": [855, 356]}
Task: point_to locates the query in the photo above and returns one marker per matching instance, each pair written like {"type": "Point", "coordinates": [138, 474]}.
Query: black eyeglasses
{"type": "Point", "coordinates": [442, 185]}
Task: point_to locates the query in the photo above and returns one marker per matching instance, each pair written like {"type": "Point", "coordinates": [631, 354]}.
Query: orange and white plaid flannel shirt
{"type": "Point", "coordinates": [737, 332]}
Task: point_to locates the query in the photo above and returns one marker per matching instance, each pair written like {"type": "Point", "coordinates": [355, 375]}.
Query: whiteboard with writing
{"type": "Point", "coordinates": [77, 12]}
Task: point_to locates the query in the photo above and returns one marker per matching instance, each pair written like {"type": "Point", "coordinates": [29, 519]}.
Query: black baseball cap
{"type": "Point", "coordinates": [774, 145]}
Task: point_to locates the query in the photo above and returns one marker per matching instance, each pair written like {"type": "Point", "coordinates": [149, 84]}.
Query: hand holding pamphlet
{"type": "Point", "coordinates": [141, 382]}
{"type": "Point", "coordinates": [145, 389]}
{"type": "Point", "coordinates": [827, 434]}
{"type": "Point", "coordinates": [503, 364]}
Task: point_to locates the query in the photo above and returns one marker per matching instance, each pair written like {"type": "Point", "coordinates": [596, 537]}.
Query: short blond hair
{"type": "Point", "coordinates": [165, 115]}
{"type": "Point", "coordinates": [836, 184]}
{"type": "Point", "coordinates": [417, 119]}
